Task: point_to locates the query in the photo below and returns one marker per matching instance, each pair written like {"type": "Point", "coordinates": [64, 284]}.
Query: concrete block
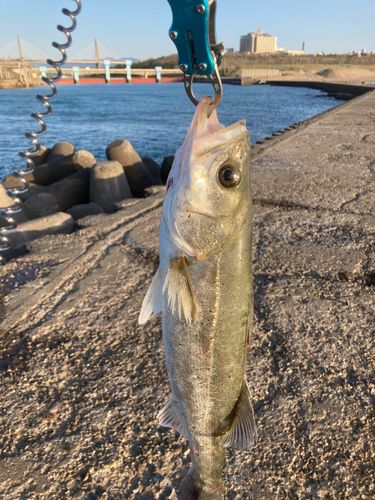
{"type": "Point", "coordinates": [41, 156]}
{"type": "Point", "coordinates": [166, 168]}
{"type": "Point", "coordinates": [108, 184]}
{"type": "Point", "coordinates": [41, 205]}
{"type": "Point", "coordinates": [135, 170]}
{"type": "Point", "coordinates": [7, 201]}
{"type": "Point", "coordinates": [28, 231]}
{"type": "Point", "coordinates": [154, 170]}
{"type": "Point", "coordinates": [10, 181]}
{"type": "Point", "coordinates": [38, 159]}
{"type": "Point", "coordinates": [51, 172]}
{"type": "Point", "coordinates": [47, 174]}
{"type": "Point", "coordinates": [83, 159]}
{"type": "Point", "coordinates": [73, 190]}
{"type": "Point", "coordinates": [32, 191]}
{"type": "Point", "coordinates": [60, 151]}
{"type": "Point", "coordinates": [80, 211]}
{"type": "Point", "coordinates": [59, 164]}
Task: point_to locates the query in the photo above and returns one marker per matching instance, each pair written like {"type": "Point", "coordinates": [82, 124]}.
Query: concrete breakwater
{"type": "Point", "coordinates": [82, 381]}
{"type": "Point", "coordinates": [67, 185]}
{"type": "Point", "coordinates": [341, 90]}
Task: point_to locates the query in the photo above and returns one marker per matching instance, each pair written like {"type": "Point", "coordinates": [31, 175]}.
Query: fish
{"type": "Point", "coordinates": [203, 287]}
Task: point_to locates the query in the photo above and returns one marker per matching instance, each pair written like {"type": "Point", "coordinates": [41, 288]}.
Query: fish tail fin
{"type": "Point", "coordinates": [193, 488]}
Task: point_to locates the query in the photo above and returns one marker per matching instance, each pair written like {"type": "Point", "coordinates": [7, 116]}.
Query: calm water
{"type": "Point", "coordinates": [153, 117]}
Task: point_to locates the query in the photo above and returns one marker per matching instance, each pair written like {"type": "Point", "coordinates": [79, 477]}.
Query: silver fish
{"type": "Point", "coordinates": [204, 289]}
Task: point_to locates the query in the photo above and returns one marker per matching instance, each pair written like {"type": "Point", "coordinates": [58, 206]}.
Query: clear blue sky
{"type": "Point", "coordinates": [139, 28]}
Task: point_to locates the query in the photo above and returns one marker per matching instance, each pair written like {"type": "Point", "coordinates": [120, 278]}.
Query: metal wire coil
{"type": "Point", "coordinates": [26, 155]}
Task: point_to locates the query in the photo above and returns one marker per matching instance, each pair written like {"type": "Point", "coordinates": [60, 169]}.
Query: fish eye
{"type": "Point", "coordinates": [229, 176]}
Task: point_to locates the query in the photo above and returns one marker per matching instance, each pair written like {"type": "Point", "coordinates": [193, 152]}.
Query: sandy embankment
{"type": "Point", "coordinates": [334, 75]}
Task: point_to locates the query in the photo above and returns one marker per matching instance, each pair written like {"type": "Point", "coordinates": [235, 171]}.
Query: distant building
{"type": "Point", "coordinates": [295, 52]}
{"type": "Point", "coordinates": [264, 43]}
{"type": "Point", "coordinates": [247, 43]}
{"type": "Point", "coordinates": [230, 51]}
{"type": "Point", "coordinates": [258, 43]}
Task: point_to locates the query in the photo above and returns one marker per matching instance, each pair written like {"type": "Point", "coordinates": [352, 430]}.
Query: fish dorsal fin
{"type": "Point", "coordinates": [152, 303]}
{"type": "Point", "coordinates": [180, 290]}
{"type": "Point", "coordinates": [169, 416]}
{"type": "Point", "coordinates": [242, 433]}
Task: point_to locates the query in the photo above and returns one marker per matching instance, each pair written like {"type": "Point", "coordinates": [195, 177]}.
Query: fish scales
{"type": "Point", "coordinates": [204, 290]}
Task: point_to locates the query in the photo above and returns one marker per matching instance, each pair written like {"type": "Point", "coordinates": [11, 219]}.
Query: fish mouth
{"type": "Point", "coordinates": [207, 134]}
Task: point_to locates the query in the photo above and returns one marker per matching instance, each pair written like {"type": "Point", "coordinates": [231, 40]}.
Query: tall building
{"type": "Point", "coordinates": [259, 43]}
{"type": "Point", "coordinates": [247, 43]}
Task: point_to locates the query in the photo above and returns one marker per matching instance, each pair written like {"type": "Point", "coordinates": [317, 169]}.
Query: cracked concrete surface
{"type": "Point", "coordinates": [82, 382]}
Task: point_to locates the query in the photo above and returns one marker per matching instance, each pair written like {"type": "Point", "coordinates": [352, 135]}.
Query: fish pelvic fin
{"type": "Point", "coordinates": [242, 433]}
{"type": "Point", "coordinates": [152, 303]}
{"type": "Point", "coordinates": [180, 290]}
{"type": "Point", "coordinates": [193, 488]}
{"type": "Point", "coordinates": [169, 416]}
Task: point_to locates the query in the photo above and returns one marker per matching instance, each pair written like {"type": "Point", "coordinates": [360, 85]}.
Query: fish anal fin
{"type": "Point", "coordinates": [180, 290]}
{"type": "Point", "coordinates": [152, 303]}
{"type": "Point", "coordinates": [242, 433]}
{"type": "Point", "coordinates": [169, 416]}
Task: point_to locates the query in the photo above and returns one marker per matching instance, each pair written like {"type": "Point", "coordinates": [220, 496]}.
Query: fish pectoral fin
{"type": "Point", "coordinates": [169, 416]}
{"type": "Point", "coordinates": [242, 433]}
{"type": "Point", "coordinates": [152, 303]}
{"type": "Point", "coordinates": [180, 290]}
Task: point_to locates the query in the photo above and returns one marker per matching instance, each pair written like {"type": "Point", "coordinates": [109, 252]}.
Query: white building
{"type": "Point", "coordinates": [258, 43]}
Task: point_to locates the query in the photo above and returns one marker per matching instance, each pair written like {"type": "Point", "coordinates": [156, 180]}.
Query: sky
{"type": "Point", "coordinates": [139, 28]}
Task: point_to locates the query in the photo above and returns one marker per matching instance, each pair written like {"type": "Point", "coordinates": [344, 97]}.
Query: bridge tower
{"type": "Point", "coordinates": [19, 47]}
{"type": "Point", "coordinates": [97, 58]}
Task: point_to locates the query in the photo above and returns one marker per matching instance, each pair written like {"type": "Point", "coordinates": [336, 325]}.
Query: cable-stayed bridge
{"type": "Point", "coordinates": [92, 51]}
{"type": "Point", "coordinates": [21, 50]}
{"type": "Point", "coordinates": [19, 61]}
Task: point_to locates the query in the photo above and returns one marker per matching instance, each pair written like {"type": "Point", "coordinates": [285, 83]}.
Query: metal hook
{"type": "Point", "coordinates": [193, 33]}
{"type": "Point", "coordinates": [217, 85]}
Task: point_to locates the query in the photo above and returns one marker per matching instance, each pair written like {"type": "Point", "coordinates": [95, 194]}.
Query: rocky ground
{"type": "Point", "coordinates": [82, 382]}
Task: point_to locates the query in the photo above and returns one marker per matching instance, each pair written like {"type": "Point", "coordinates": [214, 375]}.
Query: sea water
{"type": "Point", "coordinates": [153, 117]}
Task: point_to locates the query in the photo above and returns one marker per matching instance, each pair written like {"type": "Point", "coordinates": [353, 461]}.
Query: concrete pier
{"type": "Point", "coordinates": [82, 382]}
{"type": "Point", "coordinates": [355, 89]}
